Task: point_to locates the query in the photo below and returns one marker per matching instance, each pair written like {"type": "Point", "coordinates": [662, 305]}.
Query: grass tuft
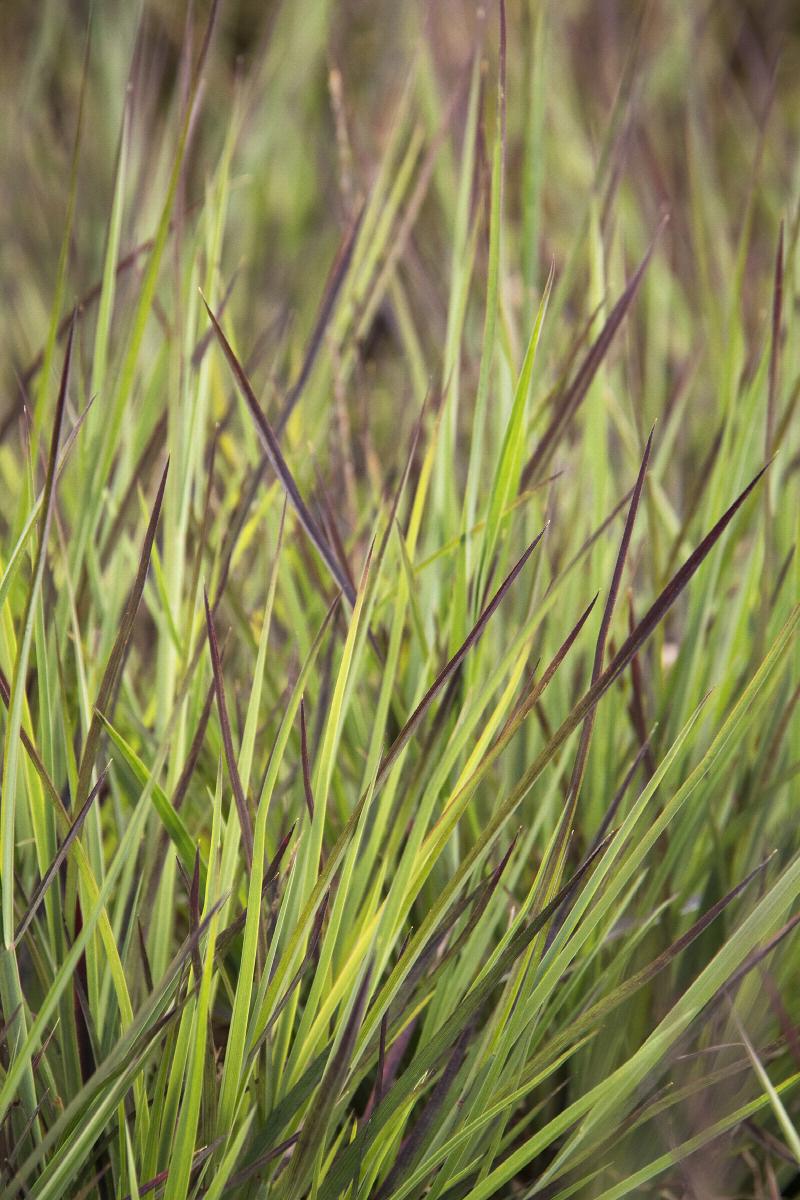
{"type": "Point", "coordinates": [446, 841]}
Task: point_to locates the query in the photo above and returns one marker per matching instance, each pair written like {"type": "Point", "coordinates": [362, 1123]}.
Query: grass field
{"type": "Point", "coordinates": [400, 477]}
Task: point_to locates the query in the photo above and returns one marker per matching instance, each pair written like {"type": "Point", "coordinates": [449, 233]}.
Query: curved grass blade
{"type": "Point", "coordinates": [279, 466]}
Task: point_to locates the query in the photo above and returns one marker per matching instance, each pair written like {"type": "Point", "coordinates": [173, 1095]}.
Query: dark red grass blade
{"type": "Point", "coordinates": [602, 830]}
{"type": "Point", "coordinates": [378, 1090]}
{"type": "Point", "coordinates": [330, 1086]}
{"type": "Point", "coordinates": [701, 924]}
{"type": "Point", "coordinates": [424, 1124]}
{"type": "Point", "coordinates": [227, 739]}
{"type": "Point", "coordinates": [194, 910]}
{"type": "Point", "coordinates": [333, 286]}
{"type": "Point", "coordinates": [637, 704]}
{"type": "Point", "coordinates": [694, 495]}
{"type": "Point", "coordinates": [30, 372]}
{"type": "Point", "coordinates": [119, 651]}
{"type": "Point", "coordinates": [633, 643]}
{"type": "Point", "coordinates": [198, 1158]}
{"type": "Point", "coordinates": [270, 875]}
{"type": "Point", "coordinates": [39, 891]}
{"type": "Point", "coordinates": [532, 696]}
{"type": "Point", "coordinates": [600, 1010]}
{"type": "Point", "coordinates": [757, 956]}
{"type": "Point", "coordinates": [578, 389]}
{"type": "Point", "coordinates": [58, 421]}
{"type": "Point", "coordinates": [398, 493]}
{"type": "Point", "coordinates": [481, 901]}
{"type": "Point", "coordinates": [670, 593]}
{"type": "Point", "coordinates": [139, 477]}
{"type": "Point", "coordinates": [182, 786]}
{"type": "Point", "coordinates": [727, 989]}
{"type": "Point", "coordinates": [445, 1037]}
{"type": "Point", "coordinates": [616, 579]}
{"type": "Point", "coordinates": [619, 795]}
{"type": "Point", "coordinates": [306, 767]}
{"type": "Point", "coordinates": [279, 466]}
{"type": "Point", "coordinates": [447, 670]}
{"type": "Point", "coordinates": [592, 538]}
{"type": "Point", "coordinates": [308, 959]}
{"type": "Point", "coordinates": [199, 352]}
{"type": "Point", "coordinates": [391, 1063]}
{"type": "Point", "coordinates": [148, 974]}
{"type": "Point", "coordinates": [775, 347]}
{"type": "Point", "coordinates": [326, 509]}
{"type": "Point", "coordinates": [434, 951]}
{"type": "Point", "coordinates": [256, 1165]}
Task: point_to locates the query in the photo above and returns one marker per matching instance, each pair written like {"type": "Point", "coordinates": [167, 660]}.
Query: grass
{"type": "Point", "coordinates": [399, 602]}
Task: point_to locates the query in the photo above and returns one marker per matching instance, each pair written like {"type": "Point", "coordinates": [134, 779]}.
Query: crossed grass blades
{"type": "Point", "coordinates": [398, 656]}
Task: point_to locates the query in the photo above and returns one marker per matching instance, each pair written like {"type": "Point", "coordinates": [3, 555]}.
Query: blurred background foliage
{"type": "Point", "coordinates": [617, 114]}
{"type": "Point", "coordinates": [714, 96]}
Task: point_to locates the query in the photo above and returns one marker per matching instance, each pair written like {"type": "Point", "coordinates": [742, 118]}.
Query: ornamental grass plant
{"type": "Point", "coordinates": [399, 583]}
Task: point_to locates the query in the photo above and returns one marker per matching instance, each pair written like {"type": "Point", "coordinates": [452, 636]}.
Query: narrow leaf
{"type": "Point", "coordinates": [279, 466]}
{"type": "Point", "coordinates": [227, 740]}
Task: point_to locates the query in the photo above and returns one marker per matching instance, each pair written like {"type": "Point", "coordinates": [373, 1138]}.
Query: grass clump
{"type": "Point", "coordinates": [399, 602]}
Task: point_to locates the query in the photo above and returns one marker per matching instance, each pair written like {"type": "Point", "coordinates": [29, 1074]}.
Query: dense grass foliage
{"type": "Point", "coordinates": [399, 600]}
